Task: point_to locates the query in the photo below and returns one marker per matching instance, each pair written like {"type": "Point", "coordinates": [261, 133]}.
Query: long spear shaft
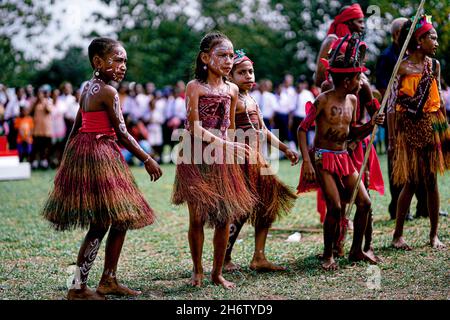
{"type": "Point", "coordinates": [383, 105]}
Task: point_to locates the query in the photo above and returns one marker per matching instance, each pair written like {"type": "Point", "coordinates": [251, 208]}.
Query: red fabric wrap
{"type": "Point", "coordinates": [310, 110]}
{"type": "Point", "coordinates": [96, 121]}
{"type": "Point", "coordinates": [373, 166]}
{"type": "Point", "coordinates": [240, 60]}
{"type": "Point", "coordinates": [339, 27]}
{"type": "Point", "coordinates": [422, 30]}
{"type": "Point", "coordinates": [339, 165]}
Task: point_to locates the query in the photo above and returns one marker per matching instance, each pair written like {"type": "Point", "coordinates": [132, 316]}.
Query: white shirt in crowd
{"type": "Point", "coordinates": [131, 107]}
{"type": "Point", "coordinates": [143, 103]}
{"type": "Point", "coordinates": [12, 109]}
{"type": "Point", "coordinates": [156, 119]}
{"type": "Point", "coordinates": [268, 104]}
{"type": "Point", "coordinates": [287, 100]}
{"type": "Point", "coordinates": [302, 98]}
{"type": "Point", "coordinates": [71, 104]}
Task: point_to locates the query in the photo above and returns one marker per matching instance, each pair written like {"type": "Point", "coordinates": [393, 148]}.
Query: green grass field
{"type": "Point", "coordinates": [35, 260]}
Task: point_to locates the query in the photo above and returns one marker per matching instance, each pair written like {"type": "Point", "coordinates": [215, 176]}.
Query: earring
{"type": "Point", "coordinates": [96, 73]}
{"type": "Point", "coordinates": [205, 67]}
{"type": "Point", "coordinates": [418, 46]}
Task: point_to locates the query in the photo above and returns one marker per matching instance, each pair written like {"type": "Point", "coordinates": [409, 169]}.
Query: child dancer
{"type": "Point", "coordinates": [215, 191]}
{"type": "Point", "coordinates": [422, 134]}
{"type": "Point", "coordinates": [329, 162]}
{"type": "Point", "coordinates": [94, 187]}
{"type": "Point", "coordinates": [275, 198]}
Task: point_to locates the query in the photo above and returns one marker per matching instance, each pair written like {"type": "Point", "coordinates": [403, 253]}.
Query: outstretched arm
{"type": "Point", "coordinates": [274, 141]}
{"type": "Point", "coordinates": [112, 103]}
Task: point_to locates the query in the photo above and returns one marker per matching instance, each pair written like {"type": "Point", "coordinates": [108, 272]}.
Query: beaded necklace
{"type": "Point", "coordinates": [244, 99]}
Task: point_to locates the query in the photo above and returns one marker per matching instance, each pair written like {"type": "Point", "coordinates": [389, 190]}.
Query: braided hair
{"type": "Point", "coordinates": [208, 42]}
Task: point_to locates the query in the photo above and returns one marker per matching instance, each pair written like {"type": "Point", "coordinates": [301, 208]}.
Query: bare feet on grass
{"type": "Point", "coordinates": [400, 243]}
{"type": "Point", "coordinates": [436, 243]}
{"type": "Point", "coordinates": [264, 265]}
{"type": "Point", "coordinates": [110, 286]}
{"type": "Point", "coordinates": [197, 279]}
{"type": "Point", "coordinates": [220, 280]}
{"type": "Point", "coordinates": [229, 266]}
{"type": "Point", "coordinates": [361, 256]}
{"type": "Point", "coordinates": [329, 264]}
{"type": "Point", "coordinates": [84, 294]}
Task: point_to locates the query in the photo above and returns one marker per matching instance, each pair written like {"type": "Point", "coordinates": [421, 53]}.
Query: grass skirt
{"type": "Point", "coordinates": [422, 147]}
{"type": "Point", "coordinates": [219, 192]}
{"type": "Point", "coordinates": [94, 185]}
{"type": "Point", "coordinates": [275, 199]}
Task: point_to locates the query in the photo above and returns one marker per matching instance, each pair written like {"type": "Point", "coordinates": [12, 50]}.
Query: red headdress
{"type": "Point", "coordinates": [423, 26]}
{"type": "Point", "coordinates": [339, 27]}
{"type": "Point", "coordinates": [353, 49]}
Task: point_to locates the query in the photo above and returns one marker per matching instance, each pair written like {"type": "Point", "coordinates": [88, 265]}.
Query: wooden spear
{"type": "Point", "coordinates": [383, 105]}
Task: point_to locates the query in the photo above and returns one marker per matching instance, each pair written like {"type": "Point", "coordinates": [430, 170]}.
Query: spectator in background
{"type": "Point", "coordinates": [303, 97]}
{"type": "Point", "coordinates": [12, 111]}
{"type": "Point", "coordinates": [71, 105]}
{"type": "Point", "coordinates": [286, 104]}
{"type": "Point", "coordinates": [150, 89]}
{"type": "Point", "coordinates": [267, 103]}
{"type": "Point", "coordinates": [175, 115]}
{"type": "Point", "coordinates": [42, 133]}
{"type": "Point", "coordinates": [181, 87]}
{"type": "Point", "coordinates": [155, 122]}
{"type": "Point", "coordinates": [139, 132]}
{"type": "Point", "coordinates": [130, 105]}
{"type": "Point", "coordinates": [59, 129]}
{"type": "Point", "coordinates": [143, 102]}
{"type": "Point", "coordinates": [24, 126]}
{"type": "Point", "coordinates": [4, 127]}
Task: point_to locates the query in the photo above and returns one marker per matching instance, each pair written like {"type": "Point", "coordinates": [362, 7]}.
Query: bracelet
{"type": "Point", "coordinates": [147, 160]}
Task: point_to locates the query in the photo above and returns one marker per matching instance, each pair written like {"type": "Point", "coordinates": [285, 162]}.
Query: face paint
{"type": "Point", "coordinates": [94, 89]}
{"type": "Point", "coordinates": [222, 57]}
{"type": "Point", "coordinates": [117, 110]}
{"type": "Point", "coordinates": [123, 128]}
{"type": "Point", "coordinates": [117, 64]}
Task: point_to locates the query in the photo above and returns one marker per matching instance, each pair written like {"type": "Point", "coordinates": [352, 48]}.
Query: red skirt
{"type": "Point", "coordinates": [340, 165]}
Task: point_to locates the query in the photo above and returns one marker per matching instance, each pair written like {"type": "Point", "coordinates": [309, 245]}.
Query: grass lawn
{"type": "Point", "coordinates": [35, 261]}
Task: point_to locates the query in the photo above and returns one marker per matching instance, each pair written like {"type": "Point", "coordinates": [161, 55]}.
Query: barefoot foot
{"type": "Point", "coordinates": [436, 243]}
{"type": "Point", "coordinates": [361, 256]}
{"type": "Point", "coordinates": [400, 243]}
{"type": "Point", "coordinates": [329, 264]}
{"type": "Point", "coordinates": [371, 254]}
{"type": "Point", "coordinates": [264, 265]}
{"type": "Point", "coordinates": [220, 280]}
{"type": "Point", "coordinates": [84, 294]}
{"type": "Point", "coordinates": [229, 266]}
{"type": "Point", "coordinates": [197, 279]}
{"type": "Point", "coordinates": [110, 286]}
